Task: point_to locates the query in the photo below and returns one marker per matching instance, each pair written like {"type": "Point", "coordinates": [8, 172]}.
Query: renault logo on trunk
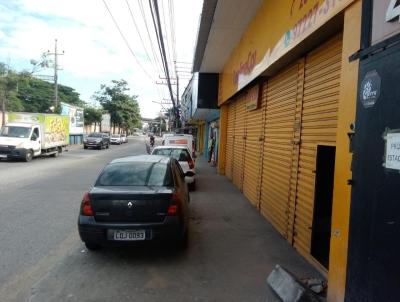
{"type": "Point", "coordinates": [130, 204]}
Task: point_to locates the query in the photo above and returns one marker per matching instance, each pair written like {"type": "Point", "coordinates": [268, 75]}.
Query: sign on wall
{"type": "Point", "coordinates": [385, 20]}
{"type": "Point", "coordinates": [370, 89]}
{"type": "Point", "coordinates": [253, 98]}
{"type": "Point", "coordinates": [277, 28]}
{"type": "Point", "coordinates": [106, 122]}
{"type": "Point", "coordinates": [392, 158]}
{"type": "Point", "coordinates": [76, 118]}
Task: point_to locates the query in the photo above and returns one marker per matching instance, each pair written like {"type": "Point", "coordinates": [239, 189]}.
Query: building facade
{"type": "Point", "coordinates": [200, 113]}
{"type": "Point", "coordinates": [287, 97]}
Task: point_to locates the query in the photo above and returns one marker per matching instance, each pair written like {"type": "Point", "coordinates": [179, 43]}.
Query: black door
{"type": "Point", "coordinates": [374, 243]}
{"type": "Point", "coordinates": [322, 214]}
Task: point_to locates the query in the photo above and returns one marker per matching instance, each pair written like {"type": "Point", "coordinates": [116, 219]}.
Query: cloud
{"type": "Point", "coordinates": [94, 52]}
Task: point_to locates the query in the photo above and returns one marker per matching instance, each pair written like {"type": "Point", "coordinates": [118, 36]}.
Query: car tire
{"type": "Point", "coordinates": [107, 146]}
{"type": "Point", "coordinates": [85, 147]}
{"type": "Point", "coordinates": [28, 156]}
{"type": "Point", "coordinates": [192, 186]}
{"type": "Point", "coordinates": [92, 246]}
{"type": "Point", "coordinates": [101, 147]}
{"type": "Point", "coordinates": [55, 154]}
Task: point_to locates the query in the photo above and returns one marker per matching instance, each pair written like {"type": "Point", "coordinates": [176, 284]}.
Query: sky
{"type": "Point", "coordinates": [94, 51]}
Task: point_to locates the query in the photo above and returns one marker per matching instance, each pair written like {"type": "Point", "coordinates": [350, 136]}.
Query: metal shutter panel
{"type": "Point", "coordinates": [230, 140]}
{"type": "Point", "coordinates": [239, 142]}
{"type": "Point", "coordinates": [277, 157]}
{"type": "Point", "coordinates": [318, 126]}
{"type": "Point", "coordinates": [253, 151]}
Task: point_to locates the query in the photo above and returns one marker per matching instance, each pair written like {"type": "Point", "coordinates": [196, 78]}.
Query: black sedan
{"type": "Point", "coordinates": [137, 198]}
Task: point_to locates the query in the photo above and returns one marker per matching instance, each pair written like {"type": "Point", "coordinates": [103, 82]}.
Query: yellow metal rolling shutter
{"type": "Point", "coordinates": [239, 142]}
{"type": "Point", "coordinates": [277, 155]}
{"type": "Point", "coordinates": [318, 126]}
{"type": "Point", "coordinates": [252, 160]}
{"type": "Point", "coordinates": [230, 140]}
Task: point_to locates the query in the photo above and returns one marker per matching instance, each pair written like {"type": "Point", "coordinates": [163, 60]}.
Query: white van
{"type": "Point", "coordinates": [181, 140]}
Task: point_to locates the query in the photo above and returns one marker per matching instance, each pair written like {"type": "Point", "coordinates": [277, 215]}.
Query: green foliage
{"type": "Point", "coordinates": [123, 108]}
{"type": "Point", "coordinates": [92, 115]}
{"type": "Point", "coordinates": [26, 93]}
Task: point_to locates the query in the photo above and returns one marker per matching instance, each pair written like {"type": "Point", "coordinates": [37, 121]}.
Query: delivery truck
{"type": "Point", "coordinates": [28, 135]}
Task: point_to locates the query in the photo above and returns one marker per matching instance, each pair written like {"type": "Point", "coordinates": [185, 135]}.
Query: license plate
{"type": "Point", "coordinates": [3, 156]}
{"type": "Point", "coordinates": [129, 235]}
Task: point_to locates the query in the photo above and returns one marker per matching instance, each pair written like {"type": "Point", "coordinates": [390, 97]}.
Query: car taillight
{"type": "Point", "coordinates": [173, 209]}
{"type": "Point", "coordinates": [86, 206]}
{"type": "Point", "coordinates": [191, 163]}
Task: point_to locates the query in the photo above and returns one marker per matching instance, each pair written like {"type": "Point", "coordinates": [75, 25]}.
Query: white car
{"type": "Point", "coordinates": [116, 139]}
{"type": "Point", "coordinates": [184, 140]}
{"type": "Point", "coordinates": [185, 159]}
{"type": "Point", "coordinates": [124, 139]}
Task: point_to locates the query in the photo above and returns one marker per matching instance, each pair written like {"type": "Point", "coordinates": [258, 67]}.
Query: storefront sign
{"type": "Point", "coordinates": [277, 28]}
{"type": "Point", "coordinates": [385, 19]}
{"type": "Point", "coordinates": [370, 89]}
{"type": "Point", "coordinates": [75, 117]}
{"type": "Point", "coordinates": [392, 151]}
{"type": "Point", "coordinates": [246, 67]}
{"type": "Point", "coordinates": [253, 98]}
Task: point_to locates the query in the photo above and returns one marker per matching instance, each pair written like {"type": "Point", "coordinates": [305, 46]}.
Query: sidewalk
{"type": "Point", "coordinates": [240, 242]}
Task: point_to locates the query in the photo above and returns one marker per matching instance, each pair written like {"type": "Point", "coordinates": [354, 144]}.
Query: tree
{"type": "Point", "coordinates": [29, 94]}
{"type": "Point", "coordinates": [8, 84]}
{"type": "Point", "coordinates": [123, 108]}
{"type": "Point", "coordinates": [93, 115]}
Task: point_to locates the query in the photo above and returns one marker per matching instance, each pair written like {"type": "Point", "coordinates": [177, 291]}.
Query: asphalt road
{"type": "Point", "coordinates": [232, 248]}
{"type": "Point", "coordinates": [39, 203]}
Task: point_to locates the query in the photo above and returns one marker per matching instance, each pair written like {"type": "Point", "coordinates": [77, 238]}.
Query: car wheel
{"type": "Point", "coordinates": [28, 156]}
{"type": "Point", "coordinates": [85, 147]}
{"type": "Point", "coordinates": [107, 146]}
{"type": "Point", "coordinates": [192, 186]}
{"type": "Point", "coordinates": [55, 154]}
{"type": "Point", "coordinates": [101, 146]}
{"type": "Point", "coordinates": [92, 246]}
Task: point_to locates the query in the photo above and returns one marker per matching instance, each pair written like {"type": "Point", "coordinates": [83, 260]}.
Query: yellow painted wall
{"type": "Point", "coordinates": [342, 191]}
{"type": "Point", "coordinates": [278, 27]}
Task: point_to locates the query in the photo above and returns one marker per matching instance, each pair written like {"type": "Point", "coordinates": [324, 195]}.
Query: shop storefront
{"type": "Point", "coordinates": [287, 99]}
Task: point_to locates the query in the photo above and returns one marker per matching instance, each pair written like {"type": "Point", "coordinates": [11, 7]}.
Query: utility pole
{"type": "Point", "coordinates": [56, 54]}
{"type": "Point", "coordinates": [3, 109]}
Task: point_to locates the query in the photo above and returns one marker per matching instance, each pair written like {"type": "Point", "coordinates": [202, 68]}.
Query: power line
{"type": "Point", "coordinates": [149, 35]}
{"type": "Point", "coordinates": [162, 48]}
{"type": "Point", "coordinates": [126, 41]}
{"type": "Point", "coordinates": [168, 50]}
{"type": "Point", "coordinates": [172, 25]}
{"type": "Point", "coordinates": [138, 31]}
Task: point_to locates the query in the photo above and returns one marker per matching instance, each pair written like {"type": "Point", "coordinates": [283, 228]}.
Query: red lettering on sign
{"type": "Point", "coordinates": [246, 67]}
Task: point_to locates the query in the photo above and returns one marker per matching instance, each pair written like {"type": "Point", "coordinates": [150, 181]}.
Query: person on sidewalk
{"type": "Point", "coordinates": [211, 147]}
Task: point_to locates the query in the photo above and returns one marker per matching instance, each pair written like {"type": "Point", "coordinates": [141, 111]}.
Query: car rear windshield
{"type": "Point", "coordinates": [178, 154]}
{"type": "Point", "coordinates": [136, 174]}
{"type": "Point", "coordinates": [95, 135]}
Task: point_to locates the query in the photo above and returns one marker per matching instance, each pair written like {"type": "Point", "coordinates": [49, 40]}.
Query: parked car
{"type": "Point", "coordinates": [181, 140]}
{"type": "Point", "coordinates": [137, 198]}
{"type": "Point", "coordinates": [96, 140]}
{"type": "Point", "coordinates": [124, 139]}
{"type": "Point", "coordinates": [116, 139]}
{"type": "Point", "coordinates": [185, 159]}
